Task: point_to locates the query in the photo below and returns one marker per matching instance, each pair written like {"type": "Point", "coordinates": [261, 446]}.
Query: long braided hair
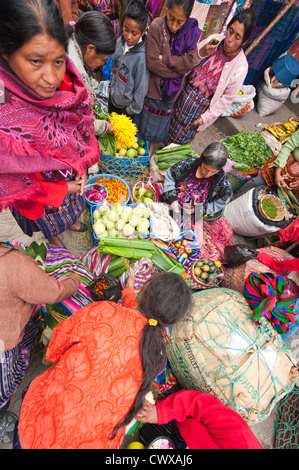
{"type": "Point", "coordinates": [165, 300]}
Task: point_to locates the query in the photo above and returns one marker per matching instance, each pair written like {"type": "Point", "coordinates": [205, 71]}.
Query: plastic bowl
{"type": "Point", "coordinates": [94, 178]}
{"type": "Point", "coordinates": [286, 69]}
{"type": "Point", "coordinates": [98, 203]}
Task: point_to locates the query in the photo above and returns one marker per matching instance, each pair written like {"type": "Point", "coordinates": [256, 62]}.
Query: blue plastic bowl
{"type": "Point", "coordinates": [286, 69]}
{"type": "Point", "coordinates": [92, 179]}
{"type": "Point", "coordinates": [91, 203]}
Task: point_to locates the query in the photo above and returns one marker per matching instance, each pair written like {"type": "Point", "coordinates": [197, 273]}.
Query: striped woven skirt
{"type": "Point", "coordinates": [188, 107]}
{"type": "Point", "coordinates": [14, 365]}
{"type": "Point", "coordinates": [154, 120]}
{"type": "Point", "coordinates": [54, 221]}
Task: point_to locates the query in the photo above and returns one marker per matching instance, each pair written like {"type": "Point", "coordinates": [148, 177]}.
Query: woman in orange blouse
{"type": "Point", "coordinates": [106, 357]}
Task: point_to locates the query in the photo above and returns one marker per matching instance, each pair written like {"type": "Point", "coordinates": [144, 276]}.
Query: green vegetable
{"type": "Point", "coordinates": [107, 143]}
{"type": "Point", "coordinates": [269, 208]}
{"type": "Point", "coordinates": [241, 167]}
{"type": "Point", "coordinates": [248, 148]}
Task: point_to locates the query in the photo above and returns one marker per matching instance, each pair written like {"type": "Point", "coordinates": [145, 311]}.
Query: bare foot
{"type": "Point", "coordinates": [76, 226]}
{"type": "Point", "coordinates": [56, 241]}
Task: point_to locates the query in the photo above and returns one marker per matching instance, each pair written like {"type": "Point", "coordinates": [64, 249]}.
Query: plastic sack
{"type": "Point", "coordinates": [111, 292]}
{"type": "Point", "coordinates": [270, 99]}
{"type": "Point", "coordinates": [235, 255]}
{"type": "Point", "coordinates": [244, 217]}
{"type": "Point", "coordinates": [163, 225]}
{"type": "Point", "coordinates": [216, 348]}
{"type": "Point", "coordinates": [242, 103]}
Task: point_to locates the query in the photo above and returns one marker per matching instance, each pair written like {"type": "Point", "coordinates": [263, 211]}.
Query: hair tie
{"type": "Point", "coordinates": [72, 23]}
{"type": "Point", "coordinates": [153, 322]}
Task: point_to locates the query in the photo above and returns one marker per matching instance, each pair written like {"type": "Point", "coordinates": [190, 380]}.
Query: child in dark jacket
{"type": "Point", "coordinates": [129, 75]}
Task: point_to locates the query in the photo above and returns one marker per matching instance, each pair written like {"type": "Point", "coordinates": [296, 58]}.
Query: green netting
{"type": "Point", "coordinates": [126, 168]}
{"type": "Point", "coordinates": [287, 426]}
{"type": "Point", "coordinates": [218, 349]}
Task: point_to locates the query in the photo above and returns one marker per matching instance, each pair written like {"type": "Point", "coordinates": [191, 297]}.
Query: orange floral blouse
{"type": "Point", "coordinates": [96, 375]}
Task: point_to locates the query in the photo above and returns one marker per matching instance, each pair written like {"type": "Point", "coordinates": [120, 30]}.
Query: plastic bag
{"type": "Point", "coordinates": [105, 287]}
{"type": "Point", "coordinates": [235, 255]}
{"type": "Point", "coordinates": [242, 103]}
{"type": "Point", "coordinates": [270, 99]}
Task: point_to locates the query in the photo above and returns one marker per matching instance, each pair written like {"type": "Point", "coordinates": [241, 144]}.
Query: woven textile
{"type": "Point", "coordinates": [59, 262]}
{"type": "Point", "coordinates": [290, 172]}
{"type": "Point", "coordinates": [234, 278]}
{"type": "Point", "coordinates": [268, 296]}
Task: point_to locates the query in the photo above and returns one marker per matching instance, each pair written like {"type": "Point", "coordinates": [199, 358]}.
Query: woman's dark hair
{"type": "Point", "coordinates": [166, 298]}
{"type": "Point", "coordinates": [94, 27]}
{"type": "Point", "coordinates": [21, 20]}
{"type": "Point", "coordinates": [248, 18]}
{"type": "Point", "coordinates": [187, 5]}
{"type": "Point", "coordinates": [138, 12]}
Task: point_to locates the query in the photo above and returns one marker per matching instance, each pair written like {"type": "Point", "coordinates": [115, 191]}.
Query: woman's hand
{"type": "Point", "coordinates": [148, 413]}
{"type": "Point", "coordinates": [208, 49]}
{"type": "Point", "coordinates": [279, 179]}
{"type": "Point", "coordinates": [294, 184]}
{"type": "Point", "coordinates": [131, 278]}
{"type": "Point", "coordinates": [198, 122]}
{"type": "Point", "coordinates": [175, 206]}
{"type": "Point", "coordinates": [78, 185]}
{"type": "Point", "coordinates": [110, 128]}
{"type": "Point", "coordinates": [75, 187]}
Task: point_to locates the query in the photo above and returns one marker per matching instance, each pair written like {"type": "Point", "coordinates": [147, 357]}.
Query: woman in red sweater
{"type": "Point", "coordinates": [203, 420]}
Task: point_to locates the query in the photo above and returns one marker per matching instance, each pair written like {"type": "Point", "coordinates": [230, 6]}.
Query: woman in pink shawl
{"type": "Point", "coordinates": [47, 139]}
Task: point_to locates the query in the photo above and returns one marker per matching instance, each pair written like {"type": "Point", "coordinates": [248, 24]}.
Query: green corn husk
{"type": "Point", "coordinates": [172, 150]}
{"type": "Point", "coordinates": [127, 243]}
{"type": "Point", "coordinates": [118, 263]}
{"type": "Point", "coordinates": [292, 197]}
{"type": "Point", "coordinates": [119, 272]}
{"type": "Point", "coordinates": [125, 251]}
{"type": "Point", "coordinates": [162, 262]}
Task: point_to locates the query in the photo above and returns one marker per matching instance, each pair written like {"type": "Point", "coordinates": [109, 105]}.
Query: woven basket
{"type": "Point", "coordinates": [148, 187]}
{"type": "Point", "coordinates": [281, 211]}
{"type": "Point", "coordinates": [195, 282]}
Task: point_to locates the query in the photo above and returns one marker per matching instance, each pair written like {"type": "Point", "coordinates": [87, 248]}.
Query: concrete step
{"type": "Point", "coordinates": [248, 121]}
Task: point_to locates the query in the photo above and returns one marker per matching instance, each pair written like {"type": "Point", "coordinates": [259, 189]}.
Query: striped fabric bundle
{"type": "Point", "coordinates": [60, 263]}
{"type": "Point", "coordinates": [170, 250]}
{"type": "Point", "coordinates": [96, 262]}
{"type": "Point", "coordinates": [269, 296]}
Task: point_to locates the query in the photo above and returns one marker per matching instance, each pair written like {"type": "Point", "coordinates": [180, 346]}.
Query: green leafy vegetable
{"type": "Point", "coordinates": [106, 141]}
{"type": "Point", "coordinates": [249, 148]}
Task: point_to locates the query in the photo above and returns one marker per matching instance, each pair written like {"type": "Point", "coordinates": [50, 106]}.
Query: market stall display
{"type": "Point", "coordinates": [123, 153]}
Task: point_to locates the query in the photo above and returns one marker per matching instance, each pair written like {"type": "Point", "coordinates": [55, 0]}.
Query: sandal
{"type": "Point", "coordinates": [82, 228]}
{"type": "Point", "coordinates": [7, 426]}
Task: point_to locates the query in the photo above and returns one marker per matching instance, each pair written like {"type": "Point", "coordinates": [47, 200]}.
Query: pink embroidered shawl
{"type": "Point", "coordinates": [39, 134]}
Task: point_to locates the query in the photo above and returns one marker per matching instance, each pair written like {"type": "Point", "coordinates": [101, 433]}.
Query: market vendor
{"type": "Point", "coordinates": [283, 170]}
{"type": "Point", "coordinates": [23, 285]}
{"type": "Point", "coordinates": [203, 421]}
{"type": "Point", "coordinates": [105, 358]}
{"type": "Point", "coordinates": [196, 189]}
{"type": "Point", "coordinates": [47, 132]}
